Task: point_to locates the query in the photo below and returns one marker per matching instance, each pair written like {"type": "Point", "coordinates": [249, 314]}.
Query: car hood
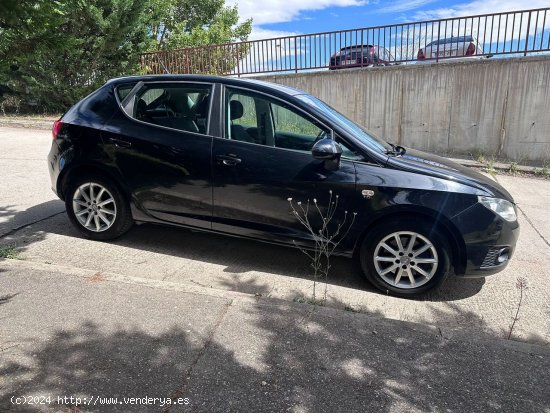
{"type": "Point", "coordinates": [429, 164]}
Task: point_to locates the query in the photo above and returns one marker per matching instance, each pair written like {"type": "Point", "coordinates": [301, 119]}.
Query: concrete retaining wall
{"type": "Point", "coordinates": [493, 106]}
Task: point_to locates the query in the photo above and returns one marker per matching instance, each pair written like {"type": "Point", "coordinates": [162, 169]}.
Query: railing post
{"type": "Point", "coordinates": [295, 55]}
{"type": "Point", "coordinates": [362, 49]}
{"type": "Point", "coordinates": [527, 34]}
{"type": "Point", "coordinates": [438, 38]}
{"type": "Point", "coordinates": [238, 61]}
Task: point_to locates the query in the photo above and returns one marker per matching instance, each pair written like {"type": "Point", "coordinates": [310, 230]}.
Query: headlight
{"type": "Point", "coordinates": [499, 206]}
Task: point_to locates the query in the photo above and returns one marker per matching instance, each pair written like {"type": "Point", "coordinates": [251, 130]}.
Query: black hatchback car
{"type": "Point", "coordinates": [225, 154]}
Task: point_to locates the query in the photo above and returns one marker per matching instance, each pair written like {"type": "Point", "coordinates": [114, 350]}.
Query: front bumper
{"type": "Point", "coordinates": [490, 241]}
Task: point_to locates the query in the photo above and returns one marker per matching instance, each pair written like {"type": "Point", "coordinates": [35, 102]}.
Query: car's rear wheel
{"type": "Point", "coordinates": [405, 258]}
{"type": "Point", "coordinates": [97, 208]}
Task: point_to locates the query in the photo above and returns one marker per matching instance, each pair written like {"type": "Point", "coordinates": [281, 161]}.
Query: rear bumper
{"type": "Point", "coordinates": [336, 63]}
{"type": "Point", "coordinates": [55, 164]}
{"type": "Point", "coordinates": [490, 241]}
{"type": "Point", "coordinates": [454, 59]}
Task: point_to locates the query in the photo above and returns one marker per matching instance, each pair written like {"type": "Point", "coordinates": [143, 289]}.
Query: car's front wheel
{"type": "Point", "coordinates": [97, 208]}
{"type": "Point", "coordinates": [405, 258]}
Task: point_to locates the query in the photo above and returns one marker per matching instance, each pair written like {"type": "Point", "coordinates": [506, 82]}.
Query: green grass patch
{"type": "Point", "coordinates": [9, 252]}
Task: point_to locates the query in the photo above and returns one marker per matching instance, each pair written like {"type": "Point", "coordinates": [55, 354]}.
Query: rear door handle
{"type": "Point", "coordinates": [119, 143]}
{"type": "Point", "coordinates": [228, 160]}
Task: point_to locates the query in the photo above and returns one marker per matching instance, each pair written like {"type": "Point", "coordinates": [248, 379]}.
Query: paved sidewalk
{"type": "Point", "coordinates": [71, 332]}
{"type": "Point", "coordinates": [29, 122]}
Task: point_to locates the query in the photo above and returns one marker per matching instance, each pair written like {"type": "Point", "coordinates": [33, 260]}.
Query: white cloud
{"type": "Point", "coordinates": [279, 11]}
{"type": "Point", "coordinates": [265, 55]}
{"type": "Point", "coordinates": [404, 5]}
{"type": "Point", "coordinates": [479, 7]}
{"type": "Point", "coordinates": [259, 33]}
{"type": "Point", "coordinates": [281, 55]}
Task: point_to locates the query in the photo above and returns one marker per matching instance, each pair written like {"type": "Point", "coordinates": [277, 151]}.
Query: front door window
{"type": "Point", "coordinates": [258, 119]}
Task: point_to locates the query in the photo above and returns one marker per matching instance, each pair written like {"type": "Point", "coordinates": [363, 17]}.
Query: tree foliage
{"type": "Point", "coordinates": [54, 52]}
{"type": "Point", "coordinates": [178, 24]}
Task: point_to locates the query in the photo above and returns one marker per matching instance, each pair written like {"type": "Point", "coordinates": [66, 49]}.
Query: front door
{"type": "Point", "coordinates": [263, 160]}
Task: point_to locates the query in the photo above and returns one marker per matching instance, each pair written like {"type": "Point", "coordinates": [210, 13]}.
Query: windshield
{"type": "Point", "coordinates": [348, 125]}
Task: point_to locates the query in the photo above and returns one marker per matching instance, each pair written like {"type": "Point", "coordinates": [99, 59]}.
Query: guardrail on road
{"type": "Point", "coordinates": [487, 35]}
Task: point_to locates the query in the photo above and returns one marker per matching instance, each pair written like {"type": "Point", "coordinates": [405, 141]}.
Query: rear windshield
{"type": "Point", "coordinates": [457, 39]}
{"type": "Point", "coordinates": [346, 51]}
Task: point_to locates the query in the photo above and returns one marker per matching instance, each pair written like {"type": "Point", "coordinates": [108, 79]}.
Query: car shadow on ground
{"type": "Point", "coordinates": [241, 256]}
{"type": "Point", "coordinates": [237, 256]}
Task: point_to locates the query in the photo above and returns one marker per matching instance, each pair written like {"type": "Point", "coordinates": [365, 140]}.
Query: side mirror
{"type": "Point", "coordinates": [329, 151]}
{"type": "Point", "coordinates": [326, 149]}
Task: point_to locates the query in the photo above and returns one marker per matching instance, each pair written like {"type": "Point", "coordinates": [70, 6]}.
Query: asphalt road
{"type": "Point", "coordinates": [32, 219]}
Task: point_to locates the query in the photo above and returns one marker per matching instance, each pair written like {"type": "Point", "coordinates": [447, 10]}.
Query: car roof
{"type": "Point", "coordinates": [232, 81]}
{"type": "Point", "coordinates": [357, 46]}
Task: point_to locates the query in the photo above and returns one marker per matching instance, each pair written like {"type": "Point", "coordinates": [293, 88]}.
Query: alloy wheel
{"type": "Point", "coordinates": [405, 259]}
{"type": "Point", "coordinates": [94, 207]}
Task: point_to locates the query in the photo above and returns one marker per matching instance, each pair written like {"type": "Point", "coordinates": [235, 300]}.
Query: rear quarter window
{"type": "Point", "coordinates": [122, 91]}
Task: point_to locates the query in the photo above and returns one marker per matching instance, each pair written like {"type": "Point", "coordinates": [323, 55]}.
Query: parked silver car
{"type": "Point", "coordinates": [451, 47]}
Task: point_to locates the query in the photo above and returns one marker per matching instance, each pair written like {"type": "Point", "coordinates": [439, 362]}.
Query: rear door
{"type": "Point", "coordinates": [161, 145]}
{"type": "Point", "coordinates": [263, 160]}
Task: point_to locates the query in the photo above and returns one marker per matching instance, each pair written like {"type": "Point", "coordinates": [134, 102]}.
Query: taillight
{"type": "Point", "coordinates": [420, 55]}
{"type": "Point", "coordinates": [56, 128]}
{"type": "Point", "coordinates": [471, 50]}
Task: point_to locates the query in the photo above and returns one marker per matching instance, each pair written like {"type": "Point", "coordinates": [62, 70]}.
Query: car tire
{"type": "Point", "coordinates": [393, 267]}
{"type": "Point", "coordinates": [97, 208]}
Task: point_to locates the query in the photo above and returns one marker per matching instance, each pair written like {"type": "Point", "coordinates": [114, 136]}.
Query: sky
{"type": "Point", "coordinates": [274, 18]}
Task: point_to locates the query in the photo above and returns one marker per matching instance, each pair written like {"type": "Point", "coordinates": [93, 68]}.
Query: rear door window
{"type": "Point", "coordinates": [181, 106]}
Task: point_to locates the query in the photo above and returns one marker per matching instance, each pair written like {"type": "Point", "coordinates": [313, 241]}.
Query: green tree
{"type": "Point", "coordinates": [186, 23]}
{"type": "Point", "coordinates": [64, 49]}
{"type": "Point", "coordinates": [54, 52]}
{"type": "Point", "coordinates": [179, 25]}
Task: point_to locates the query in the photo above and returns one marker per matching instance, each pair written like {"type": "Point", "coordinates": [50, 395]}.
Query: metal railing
{"type": "Point", "coordinates": [509, 33]}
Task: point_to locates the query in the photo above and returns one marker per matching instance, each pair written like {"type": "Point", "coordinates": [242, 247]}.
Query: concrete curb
{"type": "Point", "coordinates": [101, 276]}
{"type": "Point", "coordinates": [500, 166]}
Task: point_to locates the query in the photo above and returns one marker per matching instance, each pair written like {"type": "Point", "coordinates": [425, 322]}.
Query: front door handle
{"type": "Point", "coordinates": [119, 143]}
{"type": "Point", "coordinates": [228, 160]}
